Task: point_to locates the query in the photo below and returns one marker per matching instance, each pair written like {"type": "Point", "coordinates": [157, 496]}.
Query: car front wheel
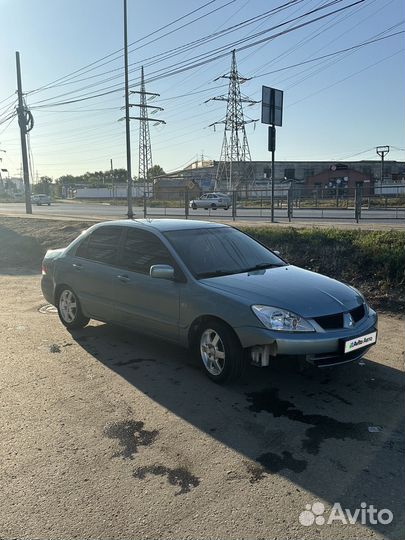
{"type": "Point", "coordinates": [69, 310]}
{"type": "Point", "coordinates": [194, 206]}
{"type": "Point", "coordinates": [220, 352]}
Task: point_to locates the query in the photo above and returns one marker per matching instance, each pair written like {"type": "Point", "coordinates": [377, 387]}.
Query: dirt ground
{"type": "Point", "coordinates": [109, 435]}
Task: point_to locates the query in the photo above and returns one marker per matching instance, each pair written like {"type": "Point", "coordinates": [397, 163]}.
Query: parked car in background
{"type": "Point", "coordinates": [211, 200]}
{"type": "Point", "coordinates": [41, 199]}
{"type": "Point", "coordinates": [209, 287]}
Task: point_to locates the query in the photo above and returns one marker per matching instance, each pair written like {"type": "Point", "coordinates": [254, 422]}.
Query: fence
{"type": "Point", "coordinates": [289, 204]}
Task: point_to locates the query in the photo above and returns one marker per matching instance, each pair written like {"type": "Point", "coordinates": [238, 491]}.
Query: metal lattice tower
{"type": "Point", "coordinates": [235, 168]}
{"type": "Point", "coordinates": [145, 147]}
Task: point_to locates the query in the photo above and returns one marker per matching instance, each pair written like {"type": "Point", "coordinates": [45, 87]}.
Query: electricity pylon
{"type": "Point", "coordinates": [145, 148]}
{"type": "Point", "coordinates": [235, 167]}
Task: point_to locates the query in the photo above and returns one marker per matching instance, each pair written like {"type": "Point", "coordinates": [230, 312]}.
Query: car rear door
{"type": "Point", "coordinates": [92, 271]}
{"type": "Point", "coordinates": [144, 303]}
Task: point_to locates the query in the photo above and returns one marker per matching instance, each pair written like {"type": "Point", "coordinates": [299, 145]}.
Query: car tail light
{"type": "Point", "coordinates": [44, 269]}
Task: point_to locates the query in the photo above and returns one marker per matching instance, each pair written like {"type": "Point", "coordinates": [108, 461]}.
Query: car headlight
{"type": "Point", "coordinates": [280, 319]}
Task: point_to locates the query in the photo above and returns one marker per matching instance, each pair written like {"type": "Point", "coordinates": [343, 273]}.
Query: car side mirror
{"type": "Point", "coordinates": [162, 271]}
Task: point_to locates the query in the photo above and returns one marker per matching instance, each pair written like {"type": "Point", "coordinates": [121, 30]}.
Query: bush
{"type": "Point", "coordinates": [353, 255]}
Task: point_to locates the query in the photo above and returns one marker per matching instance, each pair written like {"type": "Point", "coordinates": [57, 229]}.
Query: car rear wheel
{"type": "Point", "coordinates": [69, 310]}
{"type": "Point", "coordinates": [220, 352]}
{"type": "Point", "coordinates": [194, 206]}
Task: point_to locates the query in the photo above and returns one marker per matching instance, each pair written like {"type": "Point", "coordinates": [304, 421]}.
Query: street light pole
{"type": "Point", "coordinates": [130, 213]}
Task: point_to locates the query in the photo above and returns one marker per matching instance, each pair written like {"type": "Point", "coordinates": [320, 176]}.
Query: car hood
{"type": "Point", "coordinates": [303, 292]}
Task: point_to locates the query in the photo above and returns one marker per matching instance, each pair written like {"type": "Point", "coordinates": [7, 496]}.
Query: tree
{"type": "Point", "coordinates": [155, 171]}
{"type": "Point", "coordinates": [66, 180]}
{"type": "Point", "coordinates": [95, 179]}
{"type": "Point", "coordinates": [43, 186]}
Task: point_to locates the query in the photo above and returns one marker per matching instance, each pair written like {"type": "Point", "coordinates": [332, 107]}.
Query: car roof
{"type": "Point", "coordinates": [164, 225]}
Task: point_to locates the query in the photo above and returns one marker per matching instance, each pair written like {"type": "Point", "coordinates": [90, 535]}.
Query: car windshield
{"type": "Point", "coordinates": [220, 251]}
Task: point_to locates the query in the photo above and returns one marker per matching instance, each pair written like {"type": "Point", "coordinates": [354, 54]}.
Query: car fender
{"type": "Point", "coordinates": [206, 302]}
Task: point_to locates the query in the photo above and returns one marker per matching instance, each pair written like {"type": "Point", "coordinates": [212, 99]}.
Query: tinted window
{"type": "Point", "coordinates": [81, 249]}
{"type": "Point", "coordinates": [102, 245]}
{"type": "Point", "coordinates": [142, 250]}
{"type": "Point", "coordinates": [222, 250]}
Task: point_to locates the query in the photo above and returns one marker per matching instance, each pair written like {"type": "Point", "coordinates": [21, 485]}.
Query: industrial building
{"type": "Point", "coordinates": [307, 173]}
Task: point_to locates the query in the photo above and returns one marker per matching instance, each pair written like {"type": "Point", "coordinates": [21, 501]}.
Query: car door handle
{"type": "Point", "coordinates": [77, 266]}
{"type": "Point", "coordinates": [122, 278]}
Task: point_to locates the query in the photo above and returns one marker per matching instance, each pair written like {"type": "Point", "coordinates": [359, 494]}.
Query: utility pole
{"type": "Point", "coordinates": [382, 151]}
{"type": "Point", "coordinates": [130, 212]}
{"type": "Point", "coordinates": [235, 159]}
{"type": "Point", "coordinates": [25, 122]}
{"type": "Point", "coordinates": [145, 147]}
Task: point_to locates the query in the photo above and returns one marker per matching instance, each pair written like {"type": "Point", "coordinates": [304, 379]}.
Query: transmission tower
{"type": "Point", "coordinates": [235, 168]}
{"type": "Point", "coordinates": [145, 148]}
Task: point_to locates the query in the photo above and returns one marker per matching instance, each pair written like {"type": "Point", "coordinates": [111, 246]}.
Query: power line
{"type": "Point", "coordinates": [8, 125]}
{"type": "Point", "coordinates": [346, 78]}
{"type": "Point", "coordinates": [47, 86]}
{"type": "Point", "coordinates": [199, 60]}
{"type": "Point", "coordinates": [340, 51]}
{"type": "Point", "coordinates": [183, 48]}
{"type": "Point", "coordinates": [177, 50]}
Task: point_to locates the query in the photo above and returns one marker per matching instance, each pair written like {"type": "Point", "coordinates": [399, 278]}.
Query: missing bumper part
{"type": "Point", "coordinates": [260, 354]}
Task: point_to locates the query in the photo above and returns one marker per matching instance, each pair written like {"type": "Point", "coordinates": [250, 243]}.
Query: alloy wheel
{"type": "Point", "coordinates": [68, 306]}
{"type": "Point", "coordinates": [212, 352]}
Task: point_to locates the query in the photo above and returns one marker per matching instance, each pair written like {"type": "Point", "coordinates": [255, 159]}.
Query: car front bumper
{"type": "Point", "coordinates": [320, 348]}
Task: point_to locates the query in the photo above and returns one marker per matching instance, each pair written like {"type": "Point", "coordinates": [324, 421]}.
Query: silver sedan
{"type": "Point", "coordinates": [209, 287]}
{"type": "Point", "coordinates": [211, 200]}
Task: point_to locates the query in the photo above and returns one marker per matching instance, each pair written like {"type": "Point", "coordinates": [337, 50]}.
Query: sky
{"type": "Point", "coordinates": [335, 108]}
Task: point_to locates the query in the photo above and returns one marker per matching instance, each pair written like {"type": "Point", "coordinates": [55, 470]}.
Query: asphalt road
{"type": "Point", "coordinates": [110, 435]}
{"type": "Point", "coordinates": [107, 211]}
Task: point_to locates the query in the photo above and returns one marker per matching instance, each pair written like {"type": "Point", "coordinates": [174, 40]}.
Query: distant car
{"type": "Point", "coordinates": [41, 199]}
{"type": "Point", "coordinates": [211, 200]}
{"type": "Point", "coordinates": [209, 287]}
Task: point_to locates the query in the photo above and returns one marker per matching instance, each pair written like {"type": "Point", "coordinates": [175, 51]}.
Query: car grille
{"type": "Point", "coordinates": [335, 322]}
{"type": "Point", "coordinates": [322, 360]}
{"type": "Point", "coordinates": [358, 313]}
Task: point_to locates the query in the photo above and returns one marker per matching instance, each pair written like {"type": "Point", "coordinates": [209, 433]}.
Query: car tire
{"type": "Point", "coordinates": [213, 206]}
{"type": "Point", "coordinates": [69, 310]}
{"type": "Point", "coordinates": [194, 206]}
{"type": "Point", "coordinates": [226, 207]}
{"type": "Point", "coordinates": [219, 352]}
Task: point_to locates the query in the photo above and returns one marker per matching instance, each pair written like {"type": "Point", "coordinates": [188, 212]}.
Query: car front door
{"type": "Point", "coordinates": [202, 201]}
{"type": "Point", "coordinates": [144, 303]}
{"type": "Point", "coordinates": [92, 271]}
